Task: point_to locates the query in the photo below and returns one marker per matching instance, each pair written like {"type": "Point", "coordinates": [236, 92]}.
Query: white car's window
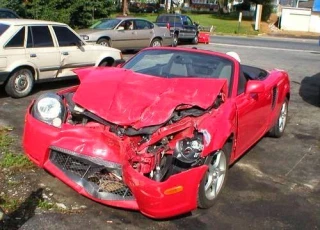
{"type": "Point", "coordinates": [3, 28]}
{"type": "Point", "coordinates": [17, 40]}
{"type": "Point", "coordinates": [39, 36]}
{"type": "Point", "coordinates": [66, 37]}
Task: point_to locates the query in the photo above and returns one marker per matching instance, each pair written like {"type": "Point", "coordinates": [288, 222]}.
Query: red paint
{"type": "Point", "coordinates": [204, 37]}
{"type": "Point", "coordinates": [126, 98]}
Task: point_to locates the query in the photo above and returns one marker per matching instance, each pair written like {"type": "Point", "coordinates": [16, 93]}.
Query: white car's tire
{"type": "Point", "coordinates": [20, 83]}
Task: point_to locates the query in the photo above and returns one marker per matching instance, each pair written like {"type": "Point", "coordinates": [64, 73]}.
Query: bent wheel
{"type": "Point", "coordinates": [20, 83]}
{"type": "Point", "coordinates": [278, 129]}
{"type": "Point", "coordinates": [214, 179]}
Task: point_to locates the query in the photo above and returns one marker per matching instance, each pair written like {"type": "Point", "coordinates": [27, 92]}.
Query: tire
{"type": "Point", "coordinates": [195, 40]}
{"type": "Point", "coordinates": [278, 129]}
{"type": "Point", "coordinates": [156, 42]}
{"type": "Point", "coordinates": [20, 83]}
{"type": "Point", "coordinates": [214, 179]}
{"type": "Point", "coordinates": [104, 42]}
{"type": "Point", "coordinates": [175, 40]}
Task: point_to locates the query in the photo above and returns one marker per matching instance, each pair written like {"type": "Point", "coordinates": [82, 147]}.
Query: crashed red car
{"type": "Point", "coordinates": [159, 133]}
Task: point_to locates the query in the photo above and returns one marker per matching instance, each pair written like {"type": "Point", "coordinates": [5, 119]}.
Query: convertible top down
{"type": "Point", "coordinates": [158, 133]}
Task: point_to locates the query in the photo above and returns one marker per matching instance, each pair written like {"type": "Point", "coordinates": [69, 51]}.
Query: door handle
{"type": "Point", "coordinates": [65, 53]}
{"type": "Point", "coordinates": [33, 55]}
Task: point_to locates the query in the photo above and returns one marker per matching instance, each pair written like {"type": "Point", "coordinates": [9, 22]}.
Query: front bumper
{"type": "Point", "coordinates": [142, 194]}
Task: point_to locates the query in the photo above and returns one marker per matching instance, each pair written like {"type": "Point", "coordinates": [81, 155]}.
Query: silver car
{"type": "Point", "coordinates": [127, 33]}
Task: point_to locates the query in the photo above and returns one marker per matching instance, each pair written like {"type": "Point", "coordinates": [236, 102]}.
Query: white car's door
{"type": "Point", "coordinates": [72, 53]}
{"type": "Point", "coordinates": [42, 52]}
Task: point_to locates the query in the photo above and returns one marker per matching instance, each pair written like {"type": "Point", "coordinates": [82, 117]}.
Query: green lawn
{"type": "Point", "coordinates": [223, 24]}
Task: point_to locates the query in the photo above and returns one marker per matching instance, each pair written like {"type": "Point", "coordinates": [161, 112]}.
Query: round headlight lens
{"type": "Point", "coordinates": [49, 108]}
{"type": "Point", "coordinates": [189, 150]}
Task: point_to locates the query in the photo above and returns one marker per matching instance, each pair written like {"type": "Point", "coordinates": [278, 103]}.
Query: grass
{"type": "Point", "coordinates": [225, 24]}
{"type": "Point", "coordinates": [9, 159]}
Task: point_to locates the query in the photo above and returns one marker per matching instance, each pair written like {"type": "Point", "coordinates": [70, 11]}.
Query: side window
{"type": "Point", "coordinates": [65, 36]}
{"type": "Point", "coordinates": [242, 82]}
{"type": "Point", "coordinates": [39, 36]}
{"type": "Point", "coordinates": [143, 25]}
{"type": "Point", "coordinates": [17, 40]}
{"type": "Point", "coordinates": [189, 21]}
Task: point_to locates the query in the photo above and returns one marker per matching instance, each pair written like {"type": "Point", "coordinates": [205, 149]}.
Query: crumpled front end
{"type": "Point", "coordinates": [156, 169]}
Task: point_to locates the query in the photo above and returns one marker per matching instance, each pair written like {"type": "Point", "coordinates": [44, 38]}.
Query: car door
{"type": "Point", "coordinates": [42, 52]}
{"type": "Point", "coordinates": [73, 53]}
{"type": "Point", "coordinates": [124, 36]}
{"type": "Point", "coordinates": [253, 111]}
{"type": "Point", "coordinates": [188, 27]}
{"type": "Point", "coordinates": [144, 33]}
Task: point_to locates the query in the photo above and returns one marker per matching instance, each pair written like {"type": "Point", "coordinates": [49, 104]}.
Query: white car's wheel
{"type": "Point", "coordinates": [20, 83]}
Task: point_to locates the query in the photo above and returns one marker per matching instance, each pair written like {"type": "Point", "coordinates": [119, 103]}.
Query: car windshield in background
{"type": "Point", "coordinates": [170, 64]}
{"type": "Point", "coordinates": [107, 24]}
{"type": "Point", "coordinates": [3, 28]}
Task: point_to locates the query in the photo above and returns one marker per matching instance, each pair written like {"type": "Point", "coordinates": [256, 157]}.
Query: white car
{"type": "Point", "coordinates": [33, 50]}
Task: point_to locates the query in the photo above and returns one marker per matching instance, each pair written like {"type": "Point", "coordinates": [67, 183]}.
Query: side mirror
{"type": "Point", "coordinates": [254, 86]}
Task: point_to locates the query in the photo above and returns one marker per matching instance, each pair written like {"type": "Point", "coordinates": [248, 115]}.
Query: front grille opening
{"type": "Point", "coordinates": [98, 180]}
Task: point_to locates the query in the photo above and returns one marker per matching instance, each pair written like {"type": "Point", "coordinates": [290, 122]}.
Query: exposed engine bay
{"type": "Point", "coordinates": [156, 151]}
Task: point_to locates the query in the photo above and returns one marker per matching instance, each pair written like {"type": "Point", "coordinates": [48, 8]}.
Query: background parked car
{"type": "Point", "coordinates": [127, 33]}
{"type": "Point", "coordinates": [182, 28]}
{"type": "Point", "coordinates": [6, 13]}
{"type": "Point", "coordinates": [32, 50]}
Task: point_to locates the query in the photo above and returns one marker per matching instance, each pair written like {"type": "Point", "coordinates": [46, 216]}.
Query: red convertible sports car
{"type": "Point", "coordinates": [158, 133]}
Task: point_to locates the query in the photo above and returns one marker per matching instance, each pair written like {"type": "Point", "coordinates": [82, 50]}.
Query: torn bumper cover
{"type": "Point", "coordinates": [96, 168]}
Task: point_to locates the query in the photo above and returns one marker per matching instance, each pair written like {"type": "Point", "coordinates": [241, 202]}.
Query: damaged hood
{"type": "Point", "coordinates": [127, 98]}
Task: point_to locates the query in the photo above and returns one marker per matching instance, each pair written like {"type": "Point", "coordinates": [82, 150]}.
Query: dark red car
{"type": "Point", "coordinates": [159, 133]}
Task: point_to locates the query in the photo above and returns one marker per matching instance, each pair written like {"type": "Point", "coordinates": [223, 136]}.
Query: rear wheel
{"type": "Point", "coordinates": [175, 40]}
{"type": "Point", "coordinates": [20, 83]}
{"type": "Point", "coordinates": [104, 42]}
{"type": "Point", "coordinates": [214, 179]}
{"type": "Point", "coordinates": [156, 42]}
{"type": "Point", "coordinates": [278, 129]}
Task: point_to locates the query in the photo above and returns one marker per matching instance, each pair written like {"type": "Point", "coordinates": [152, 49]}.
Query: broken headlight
{"type": "Point", "coordinates": [189, 150]}
{"type": "Point", "coordinates": [49, 108]}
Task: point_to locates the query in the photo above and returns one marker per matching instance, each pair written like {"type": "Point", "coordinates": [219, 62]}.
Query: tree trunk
{"type": "Point", "coordinates": [125, 10]}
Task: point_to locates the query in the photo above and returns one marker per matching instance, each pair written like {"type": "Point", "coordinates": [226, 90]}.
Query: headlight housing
{"type": "Point", "coordinates": [49, 108]}
{"type": "Point", "coordinates": [189, 150]}
{"type": "Point", "coordinates": [85, 37]}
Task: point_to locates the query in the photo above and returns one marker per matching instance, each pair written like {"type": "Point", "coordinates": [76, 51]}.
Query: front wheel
{"type": "Point", "coordinates": [20, 83]}
{"type": "Point", "coordinates": [104, 42]}
{"type": "Point", "coordinates": [278, 129]}
{"type": "Point", "coordinates": [156, 43]}
{"type": "Point", "coordinates": [214, 179]}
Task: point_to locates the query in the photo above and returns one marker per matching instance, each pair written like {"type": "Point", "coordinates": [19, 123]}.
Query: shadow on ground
{"type": "Point", "coordinates": [23, 213]}
{"type": "Point", "coordinates": [310, 90]}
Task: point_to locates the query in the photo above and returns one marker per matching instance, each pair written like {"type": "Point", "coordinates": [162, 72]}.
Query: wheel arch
{"type": "Point", "coordinates": [26, 66]}
{"type": "Point", "coordinates": [105, 37]}
{"type": "Point", "coordinates": [109, 60]}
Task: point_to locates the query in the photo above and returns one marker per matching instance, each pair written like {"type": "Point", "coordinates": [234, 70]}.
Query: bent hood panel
{"type": "Point", "coordinates": [127, 98]}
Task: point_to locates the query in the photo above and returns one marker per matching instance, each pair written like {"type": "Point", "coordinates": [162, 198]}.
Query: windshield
{"type": "Point", "coordinates": [3, 28]}
{"type": "Point", "coordinates": [107, 24]}
{"type": "Point", "coordinates": [176, 63]}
